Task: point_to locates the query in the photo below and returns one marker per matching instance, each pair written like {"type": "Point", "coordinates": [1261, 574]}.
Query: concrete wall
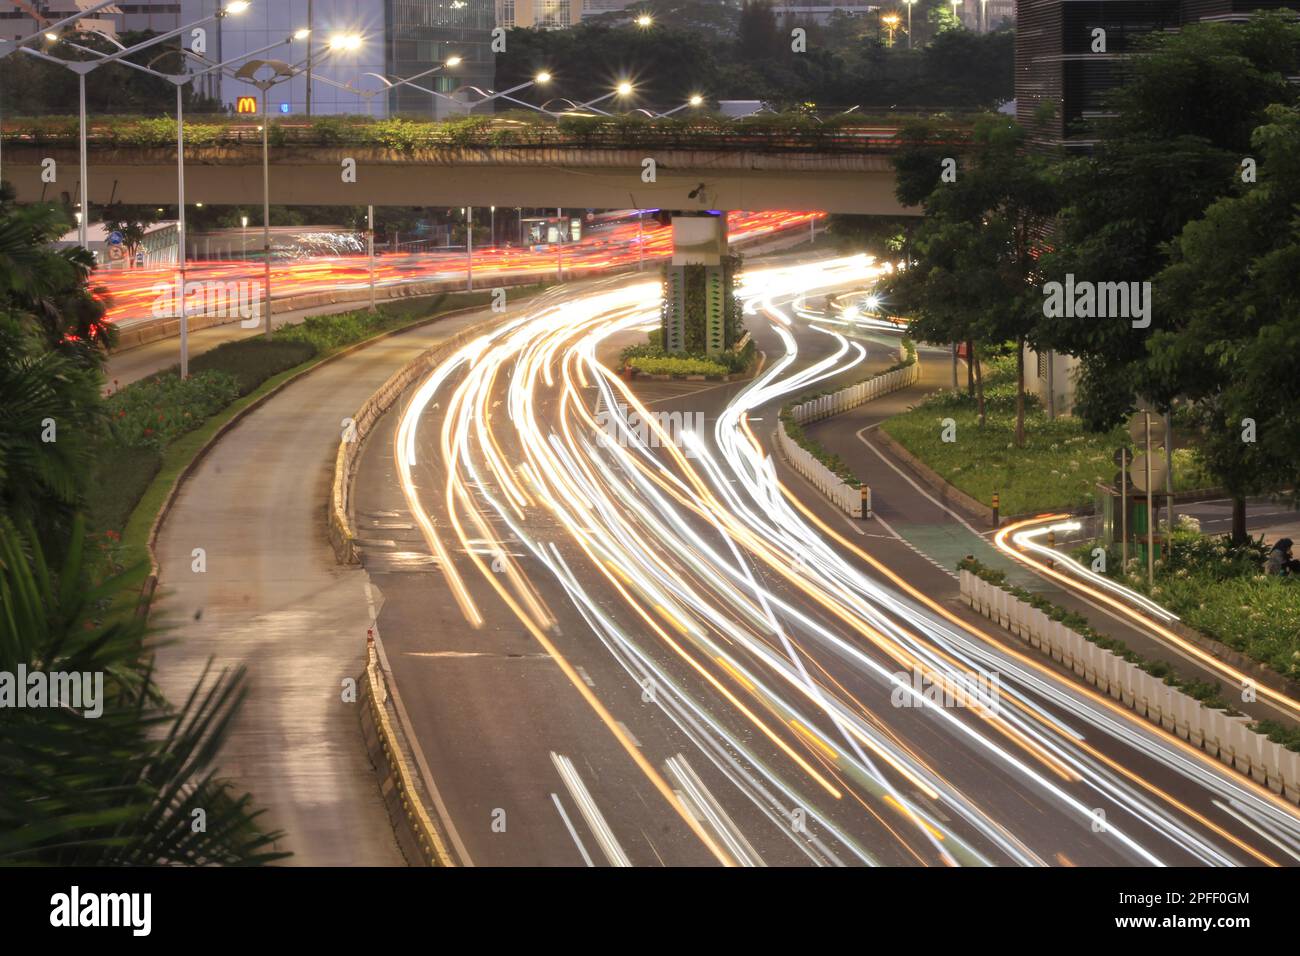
{"type": "Point", "coordinates": [541, 176]}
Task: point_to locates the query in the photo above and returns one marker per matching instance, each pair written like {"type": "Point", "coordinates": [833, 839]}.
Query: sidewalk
{"type": "Point", "coordinates": [273, 599]}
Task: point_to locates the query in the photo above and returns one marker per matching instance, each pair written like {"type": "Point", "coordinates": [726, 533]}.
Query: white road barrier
{"type": "Point", "coordinates": [853, 501]}
{"type": "Point", "coordinates": [1227, 737]}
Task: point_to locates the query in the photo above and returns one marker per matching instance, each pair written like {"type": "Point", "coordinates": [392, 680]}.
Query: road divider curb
{"type": "Point", "coordinates": [342, 536]}
{"type": "Point", "coordinates": [853, 500]}
{"type": "Point", "coordinates": [420, 840]}
{"type": "Point", "coordinates": [1226, 737]}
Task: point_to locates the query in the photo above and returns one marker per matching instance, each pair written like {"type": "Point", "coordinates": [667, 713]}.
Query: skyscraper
{"type": "Point", "coordinates": [1057, 61]}
{"type": "Point", "coordinates": [543, 14]}
{"type": "Point", "coordinates": [423, 33]}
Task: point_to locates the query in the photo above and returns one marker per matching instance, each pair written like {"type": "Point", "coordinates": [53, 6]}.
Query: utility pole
{"type": "Point", "coordinates": [469, 248]}
{"type": "Point", "coordinates": [311, 41]}
{"type": "Point", "coordinates": [370, 249]}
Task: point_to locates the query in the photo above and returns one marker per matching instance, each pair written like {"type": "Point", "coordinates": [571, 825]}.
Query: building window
{"type": "Point", "coordinates": [506, 16]}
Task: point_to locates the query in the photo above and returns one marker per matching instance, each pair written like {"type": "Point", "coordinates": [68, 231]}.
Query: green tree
{"type": "Point", "coordinates": [1230, 341]}
{"type": "Point", "coordinates": [1180, 128]}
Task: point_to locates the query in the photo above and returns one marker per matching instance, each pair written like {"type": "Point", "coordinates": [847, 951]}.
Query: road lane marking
{"type": "Point", "coordinates": [590, 812]}
{"type": "Point", "coordinates": [572, 832]}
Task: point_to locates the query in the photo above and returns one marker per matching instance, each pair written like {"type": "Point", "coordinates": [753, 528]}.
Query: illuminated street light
{"type": "Point", "coordinates": [541, 79]}
{"type": "Point", "coordinates": [955, 5]}
{"type": "Point", "coordinates": [83, 67]}
{"type": "Point", "coordinates": [910, 5]}
{"type": "Point", "coordinates": [695, 102]}
{"type": "Point", "coordinates": [890, 20]}
{"type": "Point", "coordinates": [645, 21]}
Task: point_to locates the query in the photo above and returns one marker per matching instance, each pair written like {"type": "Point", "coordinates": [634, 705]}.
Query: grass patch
{"type": "Point", "coordinates": [650, 358]}
{"type": "Point", "coordinates": [1057, 469]}
{"type": "Point", "coordinates": [1221, 590]}
{"type": "Point", "coordinates": [671, 365]}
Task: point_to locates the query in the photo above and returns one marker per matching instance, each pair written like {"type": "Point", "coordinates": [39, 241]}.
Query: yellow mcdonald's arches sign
{"type": "Point", "coordinates": [246, 104]}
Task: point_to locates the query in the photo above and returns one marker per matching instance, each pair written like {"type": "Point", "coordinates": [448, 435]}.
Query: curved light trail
{"type": "Point", "coordinates": [860, 720]}
{"type": "Point", "coordinates": [1019, 541]}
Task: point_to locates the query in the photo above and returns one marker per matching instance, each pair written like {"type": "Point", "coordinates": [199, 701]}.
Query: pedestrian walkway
{"type": "Point", "coordinates": [273, 599]}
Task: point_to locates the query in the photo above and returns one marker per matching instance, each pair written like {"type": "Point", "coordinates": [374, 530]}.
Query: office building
{"type": "Point", "coordinates": [424, 33]}
{"type": "Point", "coordinates": [541, 14]}
{"type": "Point", "coordinates": [1055, 61]}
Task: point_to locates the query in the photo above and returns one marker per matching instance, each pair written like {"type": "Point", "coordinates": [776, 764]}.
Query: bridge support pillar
{"type": "Point", "coordinates": [699, 311]}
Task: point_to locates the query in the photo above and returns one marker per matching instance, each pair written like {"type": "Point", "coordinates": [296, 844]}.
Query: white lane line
{"type": "Point", "coordinates": [710, 812]}
{"type": "Point", "coordinates": [590, 812]}
{"type": "Point", "coordinates": [935, 501]}
{"type": "Point", "coordinates": [572, 832]}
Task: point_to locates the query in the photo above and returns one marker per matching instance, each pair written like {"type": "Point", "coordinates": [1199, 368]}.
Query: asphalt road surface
{"type": "Point", "coordinates": [626, 636]}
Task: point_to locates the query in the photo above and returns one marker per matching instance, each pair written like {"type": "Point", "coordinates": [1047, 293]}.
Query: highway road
{"type": "Point", "coordinates": [632, 638]}
{"type": "Point", "coordinates": [132, 295]}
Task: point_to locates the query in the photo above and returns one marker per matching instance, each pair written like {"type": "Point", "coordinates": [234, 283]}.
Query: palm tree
{"type": "Point", "coordinates": [135, 785]}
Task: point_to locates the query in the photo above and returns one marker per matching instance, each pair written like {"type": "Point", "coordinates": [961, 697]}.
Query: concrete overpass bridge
{"type": "Point", "coordinates": [603, 165]}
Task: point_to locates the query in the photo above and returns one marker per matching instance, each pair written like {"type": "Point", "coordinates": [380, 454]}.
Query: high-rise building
{"type": "Point", "coordinates": [592, 8]}
{"type": "Point", "coordinates": [423, 33]}
{"type": "Point", "coordinates": [820, 11]}
{"type": "Point", "coordinates": [21, 18]}
{"type": "Point", "coordinates": [1057, 61]}
{"type": "Point", "coordinates": [542, 14]}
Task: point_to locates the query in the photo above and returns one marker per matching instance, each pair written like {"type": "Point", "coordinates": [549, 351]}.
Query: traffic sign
{"type": "Point", "coordinates": [116, 252]}
{"type": "Point", "coordinates": [1137, 429]}
{"type": "Point", "coordinates": [115, 238]}
{"type": "Point", "coordinates": [1138, 473]}
{"type": "Point", "coordinates": [1123, 457]}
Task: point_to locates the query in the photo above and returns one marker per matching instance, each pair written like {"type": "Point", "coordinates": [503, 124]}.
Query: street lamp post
{"type": "Point", "coordinates": [910, 4]}
{"type": "Point", "coordinates": [891, 22]}
{"type": "Point", "coordinates": [370, 250]}
{"type": "Point", "coordinates": [51, 30]}
{"type": "Point", "coordinates": [955, 16]}
{"type": "Point", "coordinates": [243, 238]}
{"type": "Point", "coordinates": [469, 248]}
{"type": "Point", "coordinates": [280, 72]}
{"type": "Point", "coordinates": [84, 67]}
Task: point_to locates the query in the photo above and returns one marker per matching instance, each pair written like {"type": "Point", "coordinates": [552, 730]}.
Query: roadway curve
{"type": "Point", "coordinates": [621, 652]}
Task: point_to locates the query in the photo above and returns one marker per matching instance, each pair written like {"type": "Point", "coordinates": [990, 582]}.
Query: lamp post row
{"type": "Point", "coordinates": [253, 72]}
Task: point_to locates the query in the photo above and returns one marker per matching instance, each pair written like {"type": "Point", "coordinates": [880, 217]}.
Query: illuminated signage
{"type": "Point", "coordinates": [246, 104]}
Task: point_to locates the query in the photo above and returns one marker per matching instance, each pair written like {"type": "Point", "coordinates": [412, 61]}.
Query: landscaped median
{"type": "Point", "coordinates": [1058, 468]}
{"type": "Point", "coordinates": [1194, 710]}
{"type": "Point", "coordinates": [161, 426]}
{"type": "Point", "coordinates": [826, 470]}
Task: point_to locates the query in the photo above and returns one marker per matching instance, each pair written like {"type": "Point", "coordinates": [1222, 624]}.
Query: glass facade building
{"type": "Point", "coordinates": [423, 33]}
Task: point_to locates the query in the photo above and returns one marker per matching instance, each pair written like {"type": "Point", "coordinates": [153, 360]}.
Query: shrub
{"type": "Point", "coordinates": [672, 365]}
{"type": "Point", "coordinates": [156, 411]}
{"type": "Point", "coordinates": [252, 361]}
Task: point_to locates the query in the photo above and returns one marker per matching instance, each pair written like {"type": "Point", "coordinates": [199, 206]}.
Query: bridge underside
{"type": "Point", "coordinates": [595, 179]}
